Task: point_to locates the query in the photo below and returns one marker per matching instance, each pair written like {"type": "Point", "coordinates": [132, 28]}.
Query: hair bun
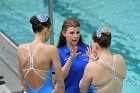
{"type": "Point", "coordinates": [34, 21]}
{"type": "Point", "coordinates": [106, 33]}
{"type": "Point", "coordinates": [105, 39]}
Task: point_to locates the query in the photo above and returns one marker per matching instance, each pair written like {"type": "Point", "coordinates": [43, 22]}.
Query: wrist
{"type": "Point", "coordinates": [70, 58]}
{"type": "Point", "coordinates": [93, 59]}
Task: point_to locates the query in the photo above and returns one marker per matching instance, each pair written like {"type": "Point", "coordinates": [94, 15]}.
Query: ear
{"type": "Point", "coordinates": [96, 46]}
{"type": "Point", "coordinates": [63, 33]}
{"type": "Point", "coordinates": [47, 30]}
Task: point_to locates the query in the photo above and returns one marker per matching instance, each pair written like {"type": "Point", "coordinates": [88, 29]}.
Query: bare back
{"type": "Point", "coordinates": [109, 75]}
{"type": "Point", "coordinates": [36, 63]}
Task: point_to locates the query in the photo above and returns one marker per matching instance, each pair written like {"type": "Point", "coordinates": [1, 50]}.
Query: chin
{"type": "Point", "coordinates": [74, 44]}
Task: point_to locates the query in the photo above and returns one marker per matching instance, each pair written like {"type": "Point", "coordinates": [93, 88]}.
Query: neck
{"type": "Point", "coordinates": [103, 51]}
{"type": "Point", "coordinates": [70, 46]}
{"type": "Point", "coordinates": [39, 38]}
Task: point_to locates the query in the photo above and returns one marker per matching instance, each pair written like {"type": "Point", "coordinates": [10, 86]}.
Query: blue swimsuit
{"type": "Point", "coordinates": [47, 86]}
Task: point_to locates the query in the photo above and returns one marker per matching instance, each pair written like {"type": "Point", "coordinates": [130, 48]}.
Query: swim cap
{"type": "Point", "coordinates": [42, 18]}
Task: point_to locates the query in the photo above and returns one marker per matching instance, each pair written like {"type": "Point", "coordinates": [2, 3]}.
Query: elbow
{"type": "Point", "coordinates": [82, 91]}
{"type": "Point", "coordinates": [61, 86]}
{"type": "Point", "coordinates": [82, 88]}
{"type": "Point", "coordinates": [60, 89]}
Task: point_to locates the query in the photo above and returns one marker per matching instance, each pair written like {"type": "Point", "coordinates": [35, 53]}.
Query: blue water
{"type": "Point", "coordinates": [121, 16]}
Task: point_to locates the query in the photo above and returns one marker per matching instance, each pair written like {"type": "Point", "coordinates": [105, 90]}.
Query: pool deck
{"type": "Point", "coordinates": [8, 66]}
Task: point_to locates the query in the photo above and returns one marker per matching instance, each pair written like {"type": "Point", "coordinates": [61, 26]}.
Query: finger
{"type": "Point", "coordinates": [71, 49]}
{"type": "Point", "coordinates": [90, 49]}
{"type": "Point", "coordinates": [78, 53]}
{"type": "Point", "coordinates": [75, 48]}
{"type": "Point", "coordinates": [87, 50]}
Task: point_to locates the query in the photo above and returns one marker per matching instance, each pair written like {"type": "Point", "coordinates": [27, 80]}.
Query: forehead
{"type": "Point", "coordinates": [71, 29]}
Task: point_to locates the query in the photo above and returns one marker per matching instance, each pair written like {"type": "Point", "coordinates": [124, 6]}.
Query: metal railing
{"type": "Point", "coordinates": [51, 17]}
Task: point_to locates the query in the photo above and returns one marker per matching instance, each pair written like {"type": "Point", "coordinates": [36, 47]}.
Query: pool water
{"type": "Point", "coordinates": [121, 16]}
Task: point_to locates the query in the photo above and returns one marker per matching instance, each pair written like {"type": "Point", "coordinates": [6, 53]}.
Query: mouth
{"type": "Point", "coordinates": [74, 41]}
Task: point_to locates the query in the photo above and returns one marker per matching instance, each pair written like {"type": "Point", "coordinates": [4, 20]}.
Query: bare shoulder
{"type": "Point", "coordinates": [50, 48]}
{"type": "Point", "coordinates": [119, 58]}
{"type": "Point", "coordinates": [21, 52]}
{"type": "Point", "coordinates": [89, 65]}
{"type": "Point", "coordinates": [21, 47]}
{"type": "Point", "coordinates": [93, 69]}
{"type": "Point", "coordinates": [120, 65]}
{"type": "Point", "coordinates": [53, 47]}
{"type": "Point", "coordinates": [92, 66]}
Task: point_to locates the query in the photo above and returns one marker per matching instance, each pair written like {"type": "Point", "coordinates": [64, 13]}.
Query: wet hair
{"type": "Point", "coordinates": [70, 22]}
{"type": "Point", "coordinates": [37, 25]}
{"type": "Point", "coordinates": [104, 40]}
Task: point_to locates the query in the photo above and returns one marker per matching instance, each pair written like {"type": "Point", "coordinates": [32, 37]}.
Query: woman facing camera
{"type": "Point", "coordinates": [71, 50]}
{"type": "Point", "coordinates": [35, 60]}
{"type": "Point", "coordinates": [106, 74]}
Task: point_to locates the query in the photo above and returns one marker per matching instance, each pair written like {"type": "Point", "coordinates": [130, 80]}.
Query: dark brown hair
{"type": "Point", "coordinates": [105, 40]}
{"type": "Point", "coordinates": [70, 22]}
{"type": "Point", "coordinates": [38, 26]}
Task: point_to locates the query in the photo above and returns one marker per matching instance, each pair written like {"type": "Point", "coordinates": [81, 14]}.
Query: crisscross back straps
{"type": "Point", "coordinates": [31, 56]}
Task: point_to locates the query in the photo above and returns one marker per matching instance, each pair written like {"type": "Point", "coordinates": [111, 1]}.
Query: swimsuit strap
{"type": "Point", "coordinates": [31, 56]}
{"type": "Point", "coordinates": [114, 76]}
{"type": "Point", "coordinates": [113, 69]}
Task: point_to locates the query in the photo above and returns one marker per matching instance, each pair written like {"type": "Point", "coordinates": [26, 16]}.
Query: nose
{"type": "Point", "coordinates": [75, 35]}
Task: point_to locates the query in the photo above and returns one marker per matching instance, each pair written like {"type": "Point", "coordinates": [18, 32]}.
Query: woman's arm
{"type": "Point", "coordinates": [86, 80]}
{"type": "Point", "coordinates": [20, 60]}
{"type": "Point", "coordinates": [67, 65]}
{"type": "Point", "coordinates": [59, 87]}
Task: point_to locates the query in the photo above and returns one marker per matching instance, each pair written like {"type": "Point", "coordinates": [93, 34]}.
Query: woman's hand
{"type": "Point", "coordinates": [73, 53]}
{"type": "Point", "coordinates": [91, 54]}
{"type": "Point", "coordinates": [53, 91]}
